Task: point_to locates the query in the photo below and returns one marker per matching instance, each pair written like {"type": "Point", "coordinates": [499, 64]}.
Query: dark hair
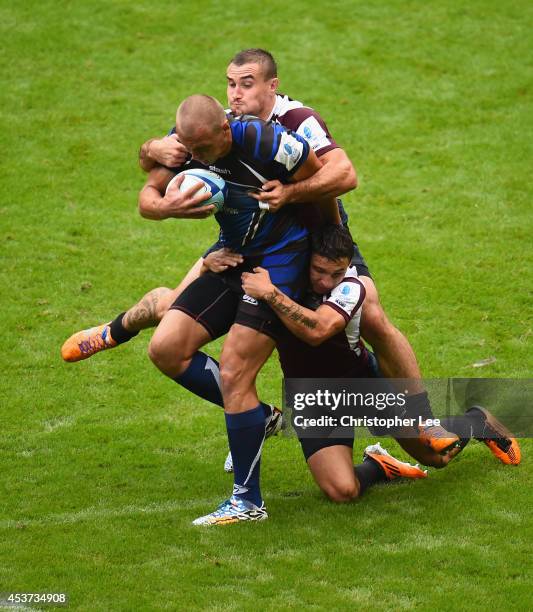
{"type": "Point", "coordinates": [332, 242]}
{"type": "Point", "coordinates": [257, 56]}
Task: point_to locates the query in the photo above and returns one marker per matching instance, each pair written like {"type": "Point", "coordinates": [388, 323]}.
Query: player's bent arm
{"type": "Point", "coordinates": [151, 195]}
{"type": "Point", "coordinates": [157, 203]}
{"type": "Point", "coordinates": [335, 176]}
{"type": "Point", "coordinates": [167, 151]}
{"type": "Point", "coordinates": [277, 194]}
{"type": "Point", "coordinates": [327, 204]}
{"type": "Point", "coordinates": [145, 161]}
{"type": "Point", "coordinates": [311, 326]}
{"type": "Point", "coordinates": [216, 261]}
{"type": "Point", "coordinates": [308, 169]}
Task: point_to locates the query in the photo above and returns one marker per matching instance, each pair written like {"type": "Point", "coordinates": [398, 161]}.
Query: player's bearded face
{"type": "Point", "coordinates": [325, 274]}
{"type": "Point", "coordinates": [249, 93]}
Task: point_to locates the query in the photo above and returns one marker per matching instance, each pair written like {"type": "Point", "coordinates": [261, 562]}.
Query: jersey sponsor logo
{"type": "Point", "coordinates": [219, 170]}
{"type": "Point", "coordinates": [346, 295]}
{"type": "Point", "coordinates": [250, 300]}
{"type": "Point", "coordinates": [290, 151]}
{"type": "Point", "coordinates": [348, 291]}
{"type": "Point", "coordinates": [314, 133]}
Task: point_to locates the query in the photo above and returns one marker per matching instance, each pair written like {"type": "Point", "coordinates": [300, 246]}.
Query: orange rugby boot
{"type": "Point", "coordinates": [87, 342]}
{"type": "Point", "coordinates": [498, 438]}
{"type": "Point", "coordinates": [437, 438]}
{"type": "Point", "coordinates": [392, 467]}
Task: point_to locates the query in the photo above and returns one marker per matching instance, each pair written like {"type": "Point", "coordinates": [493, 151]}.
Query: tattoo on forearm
{"type": "Point", "coordinates": [145, 313]}
{"type": "Point", "coordinates": [293, 311]}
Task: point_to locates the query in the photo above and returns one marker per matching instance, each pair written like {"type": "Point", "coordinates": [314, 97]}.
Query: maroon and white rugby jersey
{"type": "Point", "coordinates": [347, 298]}
{"type": "Point", "coordinates": [343, 355]}
{"type": "Point", "coordinates": [304, 121]}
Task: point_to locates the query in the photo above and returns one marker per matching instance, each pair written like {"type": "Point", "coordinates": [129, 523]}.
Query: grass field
{"type": "Point", "coordinates": [105, 463]}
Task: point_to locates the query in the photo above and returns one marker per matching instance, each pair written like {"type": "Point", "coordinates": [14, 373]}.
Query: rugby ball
{"type": "Point", "coordinates": [211, 183]}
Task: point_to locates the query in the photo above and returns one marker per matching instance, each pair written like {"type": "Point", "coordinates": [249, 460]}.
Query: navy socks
{"type": "Point", "coordinates": [246, 430]}
{"type": "Point", "coordinates": [246, 434]}
{"type": "Point", "coordinates": [202, 378]}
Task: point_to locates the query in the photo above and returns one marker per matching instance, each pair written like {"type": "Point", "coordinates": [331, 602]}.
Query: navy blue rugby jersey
{"type": "Point", "coordinates": [261, 151]}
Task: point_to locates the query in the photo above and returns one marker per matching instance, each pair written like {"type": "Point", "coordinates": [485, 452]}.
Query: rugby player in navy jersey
{"type": "Point", "coordinates": [247, 152]}
{"type": "Point", "coordinates": [252, 89]}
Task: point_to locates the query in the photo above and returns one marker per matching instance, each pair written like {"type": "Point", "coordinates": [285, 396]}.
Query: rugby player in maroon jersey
{"type": "Point", "coordinates": [324, 342]}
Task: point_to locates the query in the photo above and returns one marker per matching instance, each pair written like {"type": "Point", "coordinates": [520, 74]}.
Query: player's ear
{"type": "Point", "coordinates": [274, 84]}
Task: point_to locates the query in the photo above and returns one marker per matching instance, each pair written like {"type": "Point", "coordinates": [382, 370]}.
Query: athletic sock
{"type": "Point", "coordinates": [246, 433]}
{"type": "Point", "coordinates": [418, 406]}
{"type": "Point", "coordinates": [202, 378]}
{"type": "Point", "coordinates": [469, 425]}
{"type": "Point", "coordinates": [118, 332]}
{"type": "Point", "coordinates": [369, 473]}
{"type": "Point", "coordinates": [458, 425]}
{"type": "Point", "coordinates": [478, 422]}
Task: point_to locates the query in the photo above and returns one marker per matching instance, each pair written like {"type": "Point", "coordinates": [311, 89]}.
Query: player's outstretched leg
{"type": "Point", "coordinates": [145, 314]}
{"type": "Point", "coordinates": [394, 353]}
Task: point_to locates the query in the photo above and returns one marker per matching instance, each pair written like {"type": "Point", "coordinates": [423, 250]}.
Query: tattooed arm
{"type": "Point", "coordinates": [311, 326]}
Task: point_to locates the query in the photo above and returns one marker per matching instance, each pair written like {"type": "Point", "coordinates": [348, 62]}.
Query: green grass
{"type": "Point", "coordinates": [104, 464]}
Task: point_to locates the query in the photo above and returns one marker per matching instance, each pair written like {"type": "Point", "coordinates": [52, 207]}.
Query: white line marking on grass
{"type": "Point", "coordinates": [98, 512]}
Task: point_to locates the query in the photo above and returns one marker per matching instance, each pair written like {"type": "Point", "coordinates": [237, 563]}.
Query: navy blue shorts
{"type": "Point", "coordinates": [217, 301]}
